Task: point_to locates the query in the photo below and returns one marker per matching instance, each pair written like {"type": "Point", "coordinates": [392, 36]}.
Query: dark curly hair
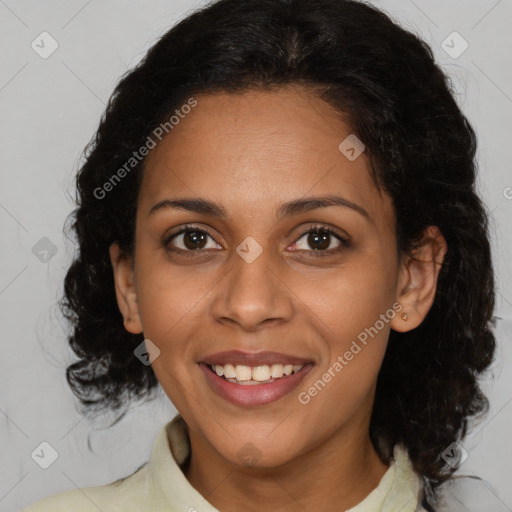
{"type": "Point", "coordinates": [422, 153]}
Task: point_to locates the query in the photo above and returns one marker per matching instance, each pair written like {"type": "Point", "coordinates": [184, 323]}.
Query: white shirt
{"type": "Point", "coordinates": [161, 486]}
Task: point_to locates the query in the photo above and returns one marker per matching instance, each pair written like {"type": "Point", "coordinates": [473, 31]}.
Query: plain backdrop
{"type": "Point", "coordinates": [50, 108]}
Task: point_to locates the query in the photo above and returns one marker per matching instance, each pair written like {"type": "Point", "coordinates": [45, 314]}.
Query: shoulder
{"type": "Point", "coordinates": [154, 486]}
{"type": "Point", "coordinates": [132, 493]}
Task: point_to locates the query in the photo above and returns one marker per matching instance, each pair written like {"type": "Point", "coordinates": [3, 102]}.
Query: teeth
{"type": "Point", "coordinates": [261, 373]}
{"type": "Point", "coordinates": [257, 374]}
{"type": "Point", "coordinates": [276, 371]}
{"type": "Point", "coordinates": [229, 371]}
{"type": "Point", "coordinates": [243, 372]}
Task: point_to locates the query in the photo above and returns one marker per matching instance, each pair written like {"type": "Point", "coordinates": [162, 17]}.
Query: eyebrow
{"type": "Point", "coordinates": [295, 207]}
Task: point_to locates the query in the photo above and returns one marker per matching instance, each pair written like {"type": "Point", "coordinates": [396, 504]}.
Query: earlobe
{"type": "Point", "coordinates": [417, 280]}
{"type": "Point", "coordinates": [125, 289]}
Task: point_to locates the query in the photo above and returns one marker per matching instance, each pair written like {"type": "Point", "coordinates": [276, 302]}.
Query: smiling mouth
{"type": "Point", "coordinates": [257, 384]}
{"type": "Point", "coordinates": [254, 375]}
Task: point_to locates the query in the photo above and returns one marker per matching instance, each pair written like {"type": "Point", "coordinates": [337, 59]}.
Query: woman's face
{"type": "Point", "coordinates": [250, 280]}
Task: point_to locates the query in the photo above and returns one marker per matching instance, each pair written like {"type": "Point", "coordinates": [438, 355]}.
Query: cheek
{"type": "Point", "coordinates": [350, 297]}
{"type": "Point", "coordinates": [171, 304]}
{"type": "Point", "coordinates": [353, 308]}
{"type": "Point", "coordinates": [171, 315]}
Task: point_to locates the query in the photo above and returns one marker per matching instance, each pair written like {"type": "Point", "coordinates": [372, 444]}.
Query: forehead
{"type": "Point", "coordinates": [258, 148]}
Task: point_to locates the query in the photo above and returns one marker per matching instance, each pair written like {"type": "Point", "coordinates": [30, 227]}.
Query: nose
{"type": "Point", "coordinates": [253, 295]}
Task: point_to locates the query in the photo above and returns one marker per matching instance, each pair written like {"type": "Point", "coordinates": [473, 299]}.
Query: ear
{"type": "Point", "coordinates": [125, 289]}
{"type": "Point", "coordinates": [417, 280]}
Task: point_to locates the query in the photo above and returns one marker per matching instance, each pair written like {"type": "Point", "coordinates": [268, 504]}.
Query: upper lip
{"type": "Point", "coordinates": [253, 358]}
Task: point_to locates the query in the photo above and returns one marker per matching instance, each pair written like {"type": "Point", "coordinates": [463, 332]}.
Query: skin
{"type": "Point", "coordinates": [250, 153]}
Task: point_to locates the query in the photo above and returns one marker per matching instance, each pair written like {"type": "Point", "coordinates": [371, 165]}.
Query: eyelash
{"type": "Point", "coordinates": [345, 243]}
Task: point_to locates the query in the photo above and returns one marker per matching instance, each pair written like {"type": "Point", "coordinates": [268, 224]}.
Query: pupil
{"type": "Point", "coordinates": [194, 237]}
{"type": "Point", "coordinates": [315, 238]}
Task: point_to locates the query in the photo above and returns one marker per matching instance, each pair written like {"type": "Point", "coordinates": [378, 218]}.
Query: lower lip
{"type": "Point", "coordinates": [257, 394]}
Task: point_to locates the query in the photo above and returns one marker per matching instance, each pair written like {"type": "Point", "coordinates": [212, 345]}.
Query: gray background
{"type": "Point", "coordinates": [51, 107]}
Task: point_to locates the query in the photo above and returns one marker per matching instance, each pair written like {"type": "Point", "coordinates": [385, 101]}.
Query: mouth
{"type": "Point", "coordinates": [248, 379]}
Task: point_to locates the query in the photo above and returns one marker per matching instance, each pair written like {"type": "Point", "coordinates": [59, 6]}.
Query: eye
{"type": "Point", "coordinates": [321, 238]}
{"type": "Point", "coordinates": [191, 239]}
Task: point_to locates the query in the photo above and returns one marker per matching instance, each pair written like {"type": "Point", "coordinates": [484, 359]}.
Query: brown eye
{"type": "Point", "coordinates": [320, 240]}
{"type": "Point", "coordinates": [189, 239]}
{"type": "Point", "coordinates": [194, 239]}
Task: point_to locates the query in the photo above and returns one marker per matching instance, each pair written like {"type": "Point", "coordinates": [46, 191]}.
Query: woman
{"type": "Point", "coordinates": [278, 224]}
